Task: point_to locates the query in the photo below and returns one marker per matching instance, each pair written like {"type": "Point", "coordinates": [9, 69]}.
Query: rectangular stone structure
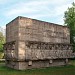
{"type": "Point", "coordinates": [32, 43]}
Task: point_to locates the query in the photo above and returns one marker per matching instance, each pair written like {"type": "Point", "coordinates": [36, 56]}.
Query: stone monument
{"type": "Point", "coordinates": [32, 43]}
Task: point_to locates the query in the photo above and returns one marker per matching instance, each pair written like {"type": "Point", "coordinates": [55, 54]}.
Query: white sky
{"type": "Point", "coordinates": [46, 10]}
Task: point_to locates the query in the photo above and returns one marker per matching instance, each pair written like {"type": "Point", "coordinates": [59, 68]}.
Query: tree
{"type": "Point", "coordinates": [2, 41]}
{"type": "Point", "coordinates": [70, 22]}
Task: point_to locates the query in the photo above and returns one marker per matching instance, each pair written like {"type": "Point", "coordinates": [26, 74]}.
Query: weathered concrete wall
{"type": "Point", "coordinates": [34, 30]}
{"type": "Point", "coordinates": [21, 65]}
{"type": "Point", "coordinates": [11, 46]}
{"type": "Point", "coordinates": [12, 30]}
{"type": "Point", "coordinates": [12, 64]}
{"type": "Point", "coordinates": [40, 32]}
{"type": "Point", "coordinates": [32, 43]}
{"type": "Point", "coordinates": [40, 64]}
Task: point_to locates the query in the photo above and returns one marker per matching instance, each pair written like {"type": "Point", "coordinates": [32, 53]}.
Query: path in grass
{"type": "Point", "coordinates": [63, 70]}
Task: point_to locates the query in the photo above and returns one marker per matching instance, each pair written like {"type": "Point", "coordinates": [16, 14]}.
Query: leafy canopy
{"type": "Point", "coordinates": [70, 22]}
{"type": "Point", "coordinates": [2, 41]}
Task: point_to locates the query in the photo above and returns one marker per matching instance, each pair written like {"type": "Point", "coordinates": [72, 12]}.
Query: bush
{"type": "Point", "coordinates": [1, 55]}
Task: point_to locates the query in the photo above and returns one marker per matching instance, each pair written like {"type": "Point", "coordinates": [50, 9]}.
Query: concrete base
{"type": "Point", "coordinates": [22, 65]}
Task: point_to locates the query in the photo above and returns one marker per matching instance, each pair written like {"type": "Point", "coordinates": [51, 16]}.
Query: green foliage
{"type": "Point", "coordinates": [2, 41]}
{"type": "Point", "coordinates": [70, 22]}
{"type": "Point", "coordinates": [1, 55]}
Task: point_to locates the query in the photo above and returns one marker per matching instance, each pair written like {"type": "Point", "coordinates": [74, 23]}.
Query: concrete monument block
{"type": "Point", "coordinates": [33, 43]}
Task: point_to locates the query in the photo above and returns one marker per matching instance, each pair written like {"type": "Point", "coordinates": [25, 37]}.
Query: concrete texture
{"type": "Point", "coordinates": [32, 43]}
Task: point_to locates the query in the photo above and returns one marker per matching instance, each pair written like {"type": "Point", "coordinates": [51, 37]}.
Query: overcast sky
{"type": "Point", "coordinates": [46, 10]}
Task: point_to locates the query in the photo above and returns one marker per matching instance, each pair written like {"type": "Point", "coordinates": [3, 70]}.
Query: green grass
{"type": "Point", "coordinates": [63, 70]}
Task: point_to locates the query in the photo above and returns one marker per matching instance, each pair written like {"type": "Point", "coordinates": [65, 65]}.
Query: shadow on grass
{"type": "Point", "coordinates": [61, 70]}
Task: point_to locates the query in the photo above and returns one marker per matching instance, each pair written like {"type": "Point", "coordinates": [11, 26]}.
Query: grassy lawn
{"type": "Point", "coordinates": [63, 70]}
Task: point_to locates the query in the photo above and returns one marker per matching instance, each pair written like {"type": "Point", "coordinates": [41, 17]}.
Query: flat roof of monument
{"type": "Point", "coordinates": [36, 20]}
